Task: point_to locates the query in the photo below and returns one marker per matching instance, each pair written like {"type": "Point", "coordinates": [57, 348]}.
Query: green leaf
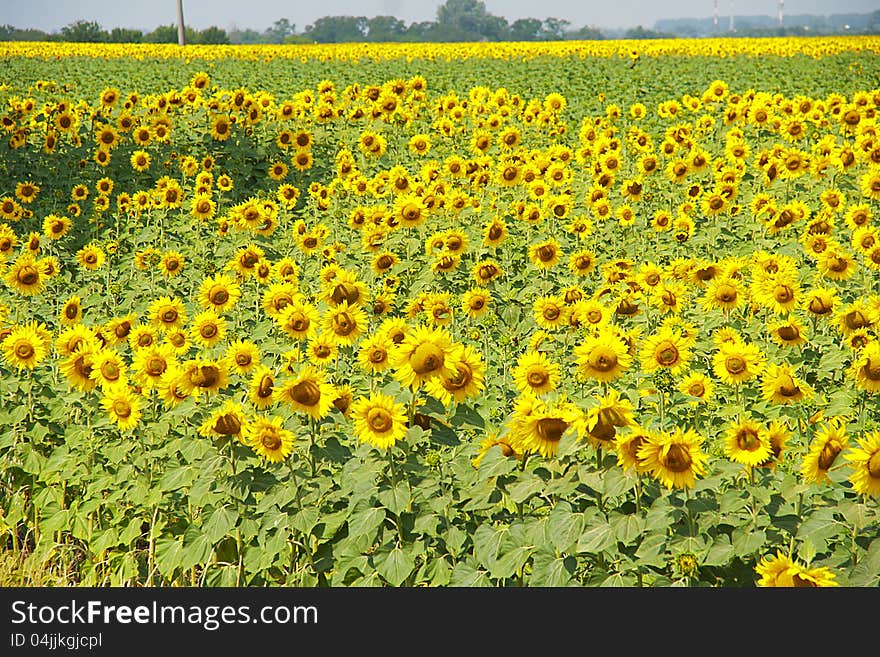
{"type": "Point", "coordinates": [807, 551]}
{"type": "Point", "coordinates": [466, 415]}
{"type": "Point", "coordinates": [366, 522]}
{"type": "Point", "coordinates": [548, 570]}
{"type": "Point", "coordinates": [596, 539]}
{"type": "Point", "coordinates": [219, 523]}
{"type": "Point", "coordinates": [466, 575]}
{"type": "Point", "coordinates": [396, 499]}
{"type": "Point", "coordinates": [652, 550]}
{"type": "Point", "coordinates": [720, 553]}
{"type": "Point", "coordinates": [396, 566]}
{"type": "Point", "coordinates": [487, 541]}
{"type": "Point", "coordinates": [168, 555]}
{"type": "Point", "coordinates": [528, 485]}
{"type": "Point", "coordinates": [616, 482]}
{"type": "Point", "coordinates": [565, 527]}
{"type": "Point", "coordinates": [197, 552]}
{"type": "Point", "coordinates": [177, 478]}
{"type": "Point", "coordinates": [627, 528]}
{"type": "Point", "coordinates": [747, 542]}
{"type": "Point", "coordinates": [494, 464]}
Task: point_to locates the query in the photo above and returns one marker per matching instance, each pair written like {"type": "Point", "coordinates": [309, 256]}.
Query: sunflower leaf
{"type": "Point", "coordinates": [396, 566]}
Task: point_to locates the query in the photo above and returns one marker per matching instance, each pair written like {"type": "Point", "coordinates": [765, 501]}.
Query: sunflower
{"type": "Point", "coordinates": [865, 368]}
{"type": "Point", "coordinates": [308, 391]}
{"type": "Point", "coordinates": [674, 458]}
{"type": "Point", "coordinates": [204, 376]}
{"type": "Point", "coordinates": [322, 349]}
{"type": "Point", "coordinates": [90, 256]}
{"type": "Point", "coordinates": [627, 445]}
{"type": "Point", "coordinates": [535, 373]}
{"type": "Point", "coordinates": [373, 353]}
{"type": "Point", "coordinates": [485, 271]}
{"type": "Point", "coordinates": [602, 421]}
{"type": "Point", "coordinates": [261, 387]}
{"type": "Point", "coordinates": [475, 302]}
{"type": "Point", "coordinates": [747, 442]}
{"type": "Point", "coordinates": [697, 385]}
{"type": "Point", "coordinates": [151, 363]}
{"type": "Point", "coordinates": [243, 355]}
{"type": "Point", "coordinates": [76, 366]}
{"type": "Point", "coordinates": [504, 443]}
{"type": "Point", "coordinates": [55, 227]}
{"type": "Point", "coordinates": [780, 386]}
{"type": "Point", "coordinates": [424, 353]}
{"type": "Point", "coordinates": [783, 572]}
{"type": "Point", "coordinates": [724, 293]}
{"type": "Point", "coordinates": [466, 382]}
{"type": "Point", "coordinates": [228, 420]}
{"type": "Point", "coordinates": [268, 438]}
{"type": "Point", "coordinates": [208, 328]}
{"type": "Point", "coordinates": [550, 312]}
{"type": "Point", "coordinates": [544, 255]}
{"type": "Point", "coordinates": [122, 405]}
{"type": "Point", "coordinates": [344, 287]}
{"type": "Point", "coordinates": [788, 332]}
{"type": "Point", "coordinates": [25, 276]}
{"type": "Point", "coordinates": [827, 445]}
{"type": "Point", "coordinates": [299, 319]}
{"type": "Point", "coordinates": [221, 127]}
{"type": "Point", "coordinates": [602, 356]}
{"type": "Point", "coordinates": [107, 368]}
{"type": "Point", "coordinates": [666, 350]}
{"type": "Point", "coordinates": [379, 420]}
{"type": "Point", "coordinates": [865, 461]}
{"type": "Point", "coordinates": [25, 346]}
{"type": "Point", "coordinates": [345, 324]}
{"type": "Point", "coordinates": [166, 313]}
{"type": "Point", "coordinates": [536, 426]}
{"type": "Point", "coordinates": [737, 362]}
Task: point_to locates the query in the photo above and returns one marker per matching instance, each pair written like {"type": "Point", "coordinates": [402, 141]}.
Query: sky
{"type": "Point", "coordinates": [51, 15]}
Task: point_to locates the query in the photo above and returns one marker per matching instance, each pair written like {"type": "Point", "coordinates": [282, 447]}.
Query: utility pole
{"type": "Point", "coordinates": [715, 17]}
{"type": "Point", "coordinates": [781, 2]}
{"type": "Point", "coordinates": [730, 26]}
{"type": "Point", "coordinates": [181, 33]}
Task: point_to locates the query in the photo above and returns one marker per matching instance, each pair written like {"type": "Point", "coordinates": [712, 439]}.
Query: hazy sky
{"type": "Point", "coordinates": [52, 15]}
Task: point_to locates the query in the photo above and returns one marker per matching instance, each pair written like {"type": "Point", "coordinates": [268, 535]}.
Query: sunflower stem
{"type": "Point", "coordinates": [306, 543]}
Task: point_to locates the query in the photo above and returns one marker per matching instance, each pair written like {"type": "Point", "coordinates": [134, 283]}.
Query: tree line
{"type": "Point", "coordinates": [456, 21]}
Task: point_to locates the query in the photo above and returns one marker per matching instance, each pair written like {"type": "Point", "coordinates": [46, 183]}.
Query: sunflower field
{"type": "Point", "coordinates": [575, 314]}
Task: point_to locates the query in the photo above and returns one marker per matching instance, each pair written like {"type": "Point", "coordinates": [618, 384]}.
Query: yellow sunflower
{"type": "Point", "coordinates": [674, 458]}
{"type": "Point", "coordinates": [308, 392]}
{"type": "Point", "coordinates": [268, 438]}
{"type": "Point", "coordinates": [379, 420]}
{"type": "Point", "coordinates": [826, 446]}
{"type": "Point", "coordinates": [603, 356]}
{"type": "Point", "coordinates": [865, 461]}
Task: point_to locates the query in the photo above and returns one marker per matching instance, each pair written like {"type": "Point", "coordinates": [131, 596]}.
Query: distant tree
{"type": "Point", "coordinates": [468, 20]}
{"type": "Point", "coordinates": [211, 35]}
{"type": "Point", "coordinates": [553, 29]}
{"type": "Point", "coordinates": [586, 33]}
{"type": "Point", "coordinates": [123, 35]}
{"type": "Point", "coordinates": [385, 28]}
{"type": "Point", "coordinates": [12, 33]}
{"type": "Point", "coordinates": [640, 32]}
{"type": "Point", "coordinates": [163, 34]}
{"type": "Point", "coordinates": [84, 32]}
{"type": "Point", "coordinates": [525, 29]}
{"type": "Point", "coordinates": [280, 31]}
{"type": "Point", "coordinates": [245, 37]}
{"type": "Point", "coordinates": [337, 29]}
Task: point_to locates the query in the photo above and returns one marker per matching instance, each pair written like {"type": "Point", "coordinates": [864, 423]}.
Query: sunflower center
{"type": "Point", "coordinates": [537, 378]}
{"type": "Point", "coordinates": [156, 366]}
{"type": "Point", "coordinates": [551, 313]}
{"type": "Point", "coordinates": [218, 295]}
{"type": "Point", "coordinates": [243, 359]}
{"type": "Point", "coordinates": [24, 350]}
{"type": "Point", "coordinates": [677, 459]}
{"type": "Point", "coordinates": [307, 393]}
{"type": "Point", "coordinates": [783, 293]}
{"type": "Point", "coordinates": [271, 441]}
{"type": "Point", "coordinates": [345, 292]}
{"type": "Point", "coordinates": [726, 293]}
{"type": "Point", "coordinates": [551, 428]}
{"type": "Point", "coordinates": [265, 387]}
{"type": "Point", "coordinates": [343, 324]}
{"type": "Point", "coordinates": [855, 320]}
{"type": "Point", "coordinates": [871, 369]}
{"type": "Point", "coordinates": [299, 322]}
{"type": "Point", "coordinates": [748, 439]}
{"type": "Point", "coordinates": [696, 389]}
{"type": "Point", "coordinates": [427, 358]}
{"type": "Point", "coordinates": [873, 465]}
{"type": "Point", "coordinates": [379, 420]}
{"type": "Point", "coordinates": [666, 354]}
{"type": "Point", "coordinates": [228, 425]}
{"type": "Point", "coordinates": [110, 371]}
{"type": "Point", "coordinates": [378, 355]}
{"type": "Point", "coordinates": [827, 455]}
{"type": "Point", "coordinates": [603, 359]}
{"type": "Point", "coordinates": [169, 316]}
{"type": "Point", "coordinates": [819, 306]}
{"type": "Point", "coordinates": [788, 333]}
{"type": "Point", "coordinates": [209, 331]}
{"type": "Point", "coordinates": [71, 311]}
{"type": "Point", "coordinates": [787, 387]}
{"type": "Point", "coordinates": [205, 376]}
{"type": "Point", "coordinates": [28, 275]}
{"type": "Point", "coordinates": [604, 430]}
{"type": "Point", "coordinates": [735, 364]}
{"type": "Point", "coordinates": [546, 253]}
{"type": "Point", "coordinates": [462, 377]}
{"type": "Point", "coordinates": [495, 232]}
{"type": "Point", "coordinates": [122, 408]}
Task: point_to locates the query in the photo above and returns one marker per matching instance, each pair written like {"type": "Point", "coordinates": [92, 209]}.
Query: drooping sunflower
{"type": "Point", "coordinates": [788, 332]}
{"type": "Point", "coordinates": [308, 392]}
{"type": "Point", "coordinates": [122, 405]}
{"type": "Point", "coordinates": [204, 376]}
{"type": "Point", "coordinates": [227, 420]}
{"type": "Point", "coordinates": [627, 445]}
{"type": "Point", "coordinates": [865, 368]}
{"type": "Point", "coordinates": [675, 458]}
{"type": "Point", "coordinates": [268, 438]}
{"type": "Point", "coordinates": [865, 461]}
{"type": "Point", "coordinates": [504, 443]}
{"type": "Point", "coordinates": [826, 446]}
{"type": "Point", "coordinates": [602, 421]}
{"type": "Point", "coordinates": [76, 365]}
{"type": "Point", "coordinates": [379, 420]}
{"type": "Point", "coordinates": [602, 356]}
{"type": "Point", "coordinates": [261, 387]}
{"type": "Point", "coordinates": [537, 426]}
{"type": "Point", "coordinates": [779, 385]}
